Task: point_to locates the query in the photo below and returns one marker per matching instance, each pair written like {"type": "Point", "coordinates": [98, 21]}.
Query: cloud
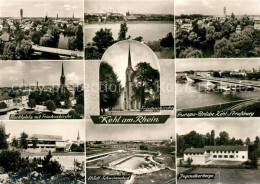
{"type": "Point", "coordinates": [72, 77]}
{"type": "Point", "coordinates": [41, 5]}
{"type": "Point", "coordinates": [13, 78]}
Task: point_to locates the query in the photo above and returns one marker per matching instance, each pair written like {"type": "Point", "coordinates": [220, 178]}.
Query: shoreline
{"type": "Point", "coordinates": [130, 22]}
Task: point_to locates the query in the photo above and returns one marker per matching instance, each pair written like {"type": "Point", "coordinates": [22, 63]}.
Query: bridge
{"type": "Point", "coordinates": [57, 51]}
{"type": "Point", "coordinates": [223, 80]}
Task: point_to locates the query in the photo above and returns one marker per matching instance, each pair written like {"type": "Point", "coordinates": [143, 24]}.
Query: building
{"type": "Point", "coordinates": [225, 12]}
{"type": "Point", "coordinates": [238, 29]}
{"type": "Point", "coordinates": [125, 101]}
{"type": "Point", "coordinates": [203, 156]}
{"type": "Point", "coordinates": [21, 15]}
{"type": "Point", "coordinates": [186, 27]}
{"type": "Point", "coordinates": [45, 143]}
{"type": "Point", "coordinates": [7, 100]}
{"type": "Point", "coordinates": [257, 23]}
{"type": "Point", "coordinates": [62, 81]}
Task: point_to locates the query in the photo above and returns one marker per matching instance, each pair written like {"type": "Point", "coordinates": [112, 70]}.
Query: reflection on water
{"type": "Point", "coordinates": [149, 31]}
{"type": "Point", "coordinates": [63, 42]}
{"type": "Point", "coordinates": [189, 95]}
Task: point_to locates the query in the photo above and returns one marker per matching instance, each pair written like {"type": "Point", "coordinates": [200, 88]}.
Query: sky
{"type": "Point", "coordinates": [45, 72]}
{"type": "Point", "coordinates": [129, 132]}
{"type": "Point", "coordinates": [39, 8]}
{"type": "Point", "coordinates": [68, 129]}
{"type": "Point", "coordinates": [135, 6]}
{"type": "Point", "coordinates": [216, 64]}
{"type": "Point", "coordinates": [240, 128]}
{"type": "Point", "coordinates": [215, 7]}
{"type": "Point", "coordinates": [117, 57]}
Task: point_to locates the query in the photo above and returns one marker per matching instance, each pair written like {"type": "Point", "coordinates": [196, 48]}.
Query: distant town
{"type": "Point", "coordinates": [221, 36]}
{"type": "Point", "coordinates": [33, 38]}
{"type": "Point", "coordinates": [112, 16]}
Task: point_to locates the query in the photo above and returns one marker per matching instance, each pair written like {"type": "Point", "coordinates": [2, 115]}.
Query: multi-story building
{"type": "Point", "coordinates": [45, 143]}
{"type": "Point", "coordinates": [201, 156]}
{"type": "Point", "coordinates": [7, 100]}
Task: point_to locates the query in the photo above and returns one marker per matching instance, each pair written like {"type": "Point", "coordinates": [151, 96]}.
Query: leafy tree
{"type": "Point", "coordinates": [24, 50]}
{"type": "Point", "coordinates": [79, 109]}
{"type": "Point", "coordinates": [248, 141]}
{"type": "Point", "coordinates": [110, 87]}
{"type": "Point", "coordinates": [3, 105]}
{"type": "Point", "coordinates": [36, 37]}
{"type": "Point", "coordinates": [191, 53]}
{"type": "Point", "coordinates": [10, 160]}
{"type": "Point", "coordinates": [212, 137]}
{"type": "Point", "coordinates": [216, 74]}
{"type": "Point", "coordinates": [80, 99]}
{"type": "Point", "coordinates": [23, 141]}
{"type": "Point", "coordinates": [145, 83]}
{"type": "Point", "coordinates": [122, 32]}
{"type": "Point", "coordinates": [77, 148]}
{"type": "Point", "coordinates": [31, 103]}
{"type": "Point", "coordinates": [79, 38]}
{"type": "Point", "coordinates": [74, 114]}
{"type": "Point", "coordinates": [34, 143]}
{"type": "Point", "coordinates": [15, 142]}
{"type": "Point", "coordinates": [50, 167]}
{"type": "Point", "coordinates": [168, 41]}
{"type": "Point", "coordinates": [9, 51]}
{"type": "Point", "coordinates": [51, 106]}
{"type": "Point", "coordinates": [3, 138]}
{"type": "Point", "coordinates": [103, 39]}
{"type": "Point", "coordinates": [224, 138]}
{"type": "Point", "coordinates": [139, 38]}
{"type": "Point", "coordinates": [233, 15]}
{"type": "Point", "coordinates": [189, 161]}
{"type": "Point", "coordinates": [224, 49]}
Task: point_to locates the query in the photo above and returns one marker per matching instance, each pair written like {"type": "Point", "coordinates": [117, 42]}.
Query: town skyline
{"type": "Point", "coordinates": [216, 64]}
{"type": "Point", "coordinates": [215, 7]}
{"type": "Point", "coordinates": [63, 8]}
{"type": "Point", "coordinates": [16, 74]}
{"type": "Point", "coordinates": [235, 127]}
{"type": "Point", "coordinates": [135, 6]}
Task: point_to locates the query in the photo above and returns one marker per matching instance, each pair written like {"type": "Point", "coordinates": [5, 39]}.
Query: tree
{"type": "Point", "coordinates": [3, 138]}
{"type": "Point", "coordinates": [122, 32]}
{"type": "Point", "coordinates": [10, 161]}
{"type": "Point", "coordinates": [50, 167]}
{"type": "Point", "coordinates": [3, 105]}
{"type": "Point", "coordinates": [31, 103]}
{"type": "Point", "coordinates": [24, 50]}
{"type": "Point", "coordinates": [79, 38]}
{"type": "Point", "coordinates": [103, 39]}
{"type": "Point", "coordinates": [233, 15]}
{"type": "Point", "coordinates": [15, 142]}
{"type": "Point", "coordinates": [224, 138]}
{"type": "Point", "coordinates": [212, 137]}
{"type": "Point", "coordinates": [256, 143]}
{"type": "Point", "coordinates": [191, 53]}
{"type": "Point", "coordinates": [76, 148]}
{"type": "Point", "coordinates": [248, 141]}
{"type": "Point", "coordinates": [216, 74]}
{"type": "Point", "coordinates": [145, 84]}
{"type": "Point", "coordinates": [51, 106]}
{"type": "Point", "coordinates": [110, 87]}
{"type": "Point", "coordinates": [139, 38]}
{"type": "Point", "coordinates": [9, 51]}
{"type": "Point", "coordinates": [34, 143]}
{"type": "Point", "coordinates": [224, 49]}
{"type": "Point", "coordinates": [189, 161]}
{"type": "Point", "coordinates": [168, 41]}
{"type": "Point", "coordinates": [23, 140]}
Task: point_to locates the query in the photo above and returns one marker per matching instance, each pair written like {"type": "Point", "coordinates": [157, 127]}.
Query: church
{"type": "Point", "coordinates": [125, 101]}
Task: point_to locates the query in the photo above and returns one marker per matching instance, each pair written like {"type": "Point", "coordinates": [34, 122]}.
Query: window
{"type": "Point", "coordinates": [225, 152]}
{"type": "Point", "coordinates": [243, 157]}
{"type": "Point", "coordinates": [214, 156]}
{"type": "Point", "coordinates": [225, 156]}
{"type": "Point", "coordinates": [220, 156]}
{"type": "Point", "coordinates": [231, 156]}
{"type": "Point", "coordinates": [236, 151]}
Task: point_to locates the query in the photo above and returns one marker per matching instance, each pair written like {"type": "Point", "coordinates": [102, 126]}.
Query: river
{"type": "Point", "coordinates": [149, 31]}
{"type": "Point", "coordinates": [188, 96]}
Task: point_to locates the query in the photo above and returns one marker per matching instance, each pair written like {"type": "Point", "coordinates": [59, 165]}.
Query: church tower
{"type": "Point", "coordinates": [21, 15]}
{"type": "Point", "coordinates": [128, 82]}
{"type": "Point", "coordinates": [62, 80]}
{"type": "Point", "coordinates": [225, 12]}
{"type": "Point", "coordinates": [78, 137]}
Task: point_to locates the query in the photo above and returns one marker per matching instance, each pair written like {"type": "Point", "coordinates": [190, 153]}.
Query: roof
{"type": "Point", "coordinates": [194, 150]}
{"type": "Point", "coordinates": [226, 148]}
{"type": "Point", "coordinates": [5, 97]}
{"type": "Point", "coordinates": [46, 137]}
{"type": "Point", "coordinates": [216, 148]}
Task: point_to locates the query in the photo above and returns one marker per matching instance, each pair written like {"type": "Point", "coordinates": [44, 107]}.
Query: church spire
{"type": "Point", "coordinates": [62, 70]}
{"type": "Point", "coordinates": [78, 138]}
{"type": "Point", "coordinates": [129, 58]}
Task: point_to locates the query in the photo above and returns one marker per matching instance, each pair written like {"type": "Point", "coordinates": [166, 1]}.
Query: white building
{"type": "Point", "coordinates": [45, 143]}
{"type": "Point", "coordinates": [7, 99]}
{"type": "Point", "coordinates": [201, 156]}
{"type": "Point", "coordinates": [186, 27]}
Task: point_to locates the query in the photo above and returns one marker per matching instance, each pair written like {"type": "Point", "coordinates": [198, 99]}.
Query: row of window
{"type": "Point", "coordinates": [226, 156]}
{"type": "Point", "coordinates": [42, 147]}
{"type": "Point", "coordinates": [222, 151]}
